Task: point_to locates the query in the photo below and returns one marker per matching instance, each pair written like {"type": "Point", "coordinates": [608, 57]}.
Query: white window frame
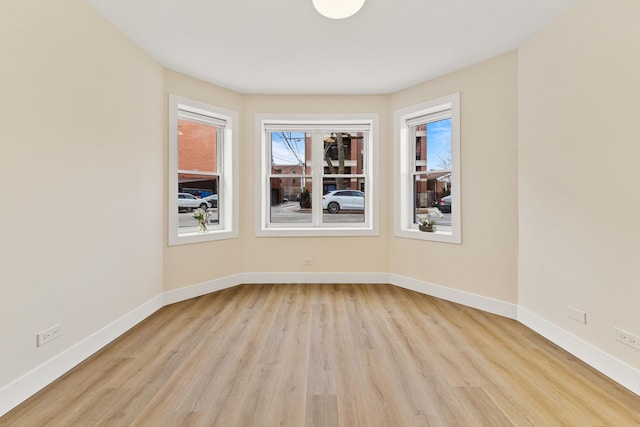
{"type": "Point", "coordinates": [404, 161]}
{"type": "Point", "coordinates": [317, 122]}
{"type": "Point", "coordinates": [228, 172]}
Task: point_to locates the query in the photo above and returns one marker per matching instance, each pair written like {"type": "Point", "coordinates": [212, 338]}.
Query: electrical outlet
{"type": "Point", "coordinates": [308, 261]}
{"type": "Point", "coordinates": [50, 334]}
{"type": "Point", "coordinates": [577, 315]}
{"type": "Point", "coordinates": [627, 338]}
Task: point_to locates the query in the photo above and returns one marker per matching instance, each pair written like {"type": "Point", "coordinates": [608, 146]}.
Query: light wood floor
{"type": "Point", "coordinates": [328, 355]}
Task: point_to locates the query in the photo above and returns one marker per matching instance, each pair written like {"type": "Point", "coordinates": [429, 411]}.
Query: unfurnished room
{"type": "Point", "coordinates": [320, 213]}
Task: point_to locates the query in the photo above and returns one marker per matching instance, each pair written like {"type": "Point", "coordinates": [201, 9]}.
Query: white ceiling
{"type": "Point", "coordinates": [286, 47]}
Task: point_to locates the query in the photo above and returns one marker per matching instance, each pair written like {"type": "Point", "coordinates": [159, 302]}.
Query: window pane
{"type": "Point", "coordinates": [432, 190]}
{"type": "Point", "coordinates": [197, 191]}
{"type": "Point", "coordinates": [344, 200]}
{"type": "Point", "coordinates": [290, 200]}
{"type": "Point", "coordinates": [433, 146]}
{"type": "Point", "coordinates": [198, 185]}
{"type": "Point", "coordinates": [197, 146]}
{"type": "Point", "coordinates": [290, 153]}
{"type": "Point", "coordinates": [343, 153]}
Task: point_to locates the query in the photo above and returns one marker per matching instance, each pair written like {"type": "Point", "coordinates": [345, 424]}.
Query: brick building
{"type": "Point", "coordinates": [197, 152]}
{"type": "Point", "coordinates": [350, 163]}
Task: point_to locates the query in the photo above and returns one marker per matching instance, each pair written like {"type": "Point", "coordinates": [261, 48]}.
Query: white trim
{"type": "Point", "coordinates": [468, 299]}
{"type": "Point", "coordinates": [489, 305]}
{"type": "Point", "coordinates": [228, 203]}
{"type": "Point", "coordinates": [197, 290]}
{"type": "Point", "coordinates": [370, 227]}
{"type": "Point", "coordinates": [312, 124]}
{"type": "Point", "coordinates": [402, 173]}
{"type": "Point", "coordinates": [204, 288]}
{"type": "Point", "coordinates": [617, 370]}
{"type": "Point", "coordinates": [310, 278]}
{"type": "Point", "coordinates": [17, 391]}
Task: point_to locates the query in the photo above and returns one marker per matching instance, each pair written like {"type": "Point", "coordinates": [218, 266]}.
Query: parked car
{"type": "Point", "coordinates": [189, 202]}
{"type": "Point", "coordinates": [444, 204]}
{"type": "Point", "coordinates": [212, 200]}
{"type": "Point", "coordinates": [336, 200]}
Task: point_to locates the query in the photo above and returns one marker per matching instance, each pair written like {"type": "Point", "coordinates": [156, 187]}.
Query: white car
{"type": "Point", "coordinates": [189, 202]}
{"type": "Point", "coordinates": [334, 201]}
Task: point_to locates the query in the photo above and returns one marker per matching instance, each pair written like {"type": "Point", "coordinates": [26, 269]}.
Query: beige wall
{"type": "Point", "coordinates": [80, 177]}
{"type": "Point", "coordinates": [489, 138]}
{"type": "Point", "coordinates": [330, 254]}
{"type": "Point", "coordinates": [188, 265]}
{"type": "Point", "coordinates": [579, 109]}
{"type": "Point", "coordinates": [485, 262]}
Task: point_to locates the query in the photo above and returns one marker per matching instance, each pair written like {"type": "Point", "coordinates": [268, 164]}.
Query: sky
{"type": "Point", "coordinates": [291, 151]}
{"type": "Point", "coordinates": [287, 152]}
{"type": "Point", "coordinates": [438, 143]}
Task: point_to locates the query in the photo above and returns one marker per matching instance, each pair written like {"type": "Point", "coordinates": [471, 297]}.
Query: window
{"type": "Point", "coordinates": [202, 171]}
{"type": "Point", "coordinates": [427, 170]}
{"type": "Point", "coordinates": [317, 175]}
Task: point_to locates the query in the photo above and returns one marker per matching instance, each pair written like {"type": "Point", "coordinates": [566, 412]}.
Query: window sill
{"type": "Point", "coordinates": [196, 236]}
{"type": "Point", "coordinates": [445, 236]}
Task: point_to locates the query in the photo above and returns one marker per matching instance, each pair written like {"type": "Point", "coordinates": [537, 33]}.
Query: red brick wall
{"type": "Point", "coordinates": [196, 146]}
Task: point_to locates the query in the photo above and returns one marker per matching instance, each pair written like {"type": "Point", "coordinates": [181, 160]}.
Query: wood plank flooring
{"type": "Point", "coordinates": [328, 355]}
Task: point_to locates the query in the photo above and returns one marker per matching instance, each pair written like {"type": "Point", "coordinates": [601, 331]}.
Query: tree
{"type": "Point", "coordinates": [444, 162]}
{"type": "Point", "coordinates": [338, 140]}
{"type": "Point", "coordinates": [305, 199]}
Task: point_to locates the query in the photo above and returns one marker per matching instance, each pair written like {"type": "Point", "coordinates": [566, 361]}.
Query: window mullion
{"type": "Point", "coordinates": [317, 159]}
{"type": "Point", "coordinates": [220, 142]}
{"type": "Point", "coordinates": [412, 176]}
{"type": "Point", "coordinates": [267, 183]}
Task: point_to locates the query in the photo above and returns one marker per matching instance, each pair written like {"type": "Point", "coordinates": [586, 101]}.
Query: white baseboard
{"type": "Point", "coordinates": [490, 305]}
{"type": "Point", "coordinates": [204, 288]}
{"type": "Point", "coordinates": [357, 278]}
{"type": "Point", "coordinates": [625, 375]}
{"type": "Point", "coordinates": [17, 391]}
{"type": "Point", "coordinates": [465, 298]}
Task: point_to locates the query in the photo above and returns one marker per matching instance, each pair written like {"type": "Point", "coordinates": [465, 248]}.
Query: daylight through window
{"type": "Point", "coordinates": [427, 156]}
{"type": "Point", "coordinates": [317, 176]}
{"type": "Point", "coordinates": [201, 178]}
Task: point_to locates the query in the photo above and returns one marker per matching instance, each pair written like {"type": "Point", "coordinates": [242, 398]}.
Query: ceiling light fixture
{"type": "Point", "coordinates": [338, 9]}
